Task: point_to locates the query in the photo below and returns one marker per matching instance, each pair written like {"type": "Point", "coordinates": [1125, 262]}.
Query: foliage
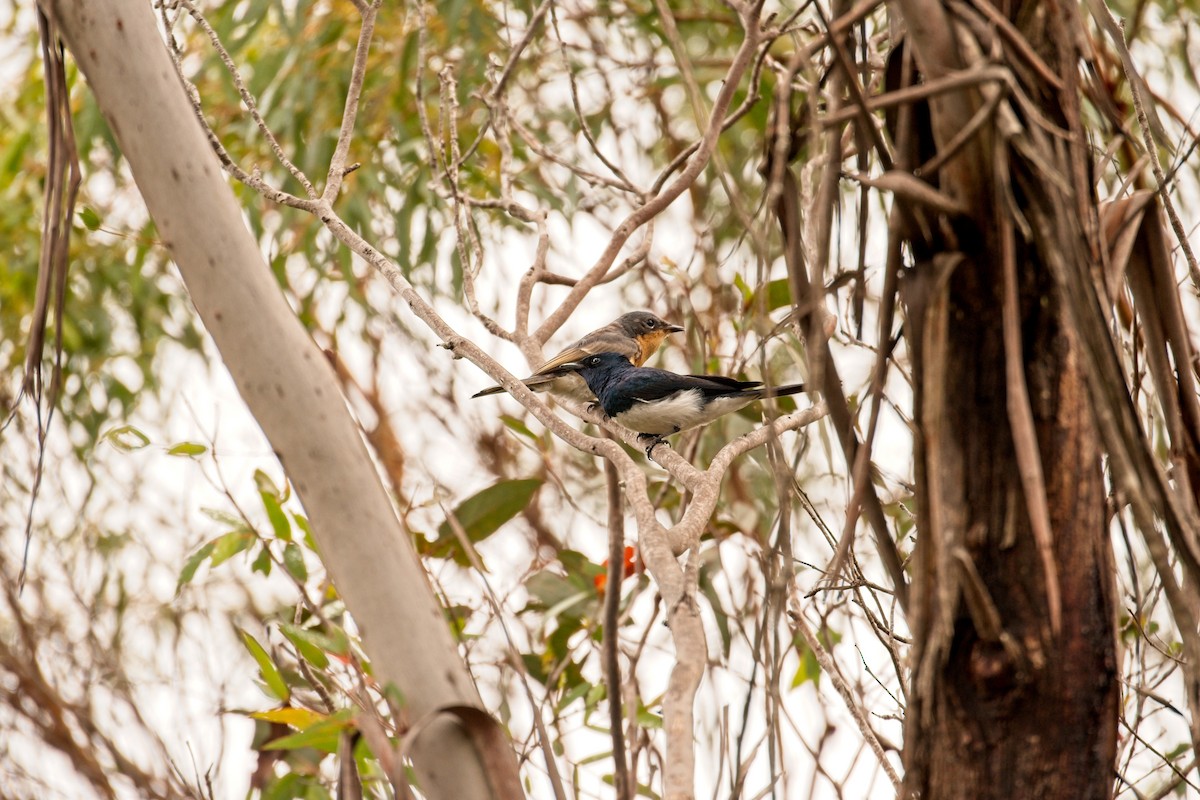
{"type": "Point", "coordinates": [474, 147]}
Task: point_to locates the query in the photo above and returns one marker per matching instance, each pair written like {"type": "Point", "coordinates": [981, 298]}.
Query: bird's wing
{"type": "Point", "coordinates": [726, 384]}
{"type": "Point", "coordinates": [647, 385]}
{"type": "Point", "coordinates": [590, 346]}
{"type": "Point", "coordinates": [565, 357]}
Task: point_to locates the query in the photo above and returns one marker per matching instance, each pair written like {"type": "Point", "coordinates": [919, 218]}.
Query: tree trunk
{"type": "Point", "coordinates": [1001, 706]}
{"type": "Point", "coordinates": [284, 379]}
{"type": "Point", "coordinates": [1014, 684]}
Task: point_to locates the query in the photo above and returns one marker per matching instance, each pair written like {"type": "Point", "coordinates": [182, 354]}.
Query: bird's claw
{"type": "Point", "coordinates": [655, 441]}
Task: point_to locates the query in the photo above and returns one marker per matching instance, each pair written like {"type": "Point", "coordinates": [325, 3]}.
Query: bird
{"type": "Point", "coordinates": [657, 403]}
{"type": "Point", "coordinates": [633, 337]}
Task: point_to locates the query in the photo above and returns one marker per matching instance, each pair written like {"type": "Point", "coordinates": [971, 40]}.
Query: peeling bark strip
{"type": "Point", "coordinates": [1014, 690]}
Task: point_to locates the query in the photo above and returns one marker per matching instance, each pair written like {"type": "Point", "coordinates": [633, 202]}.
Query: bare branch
{"type": "Point", "coordinates": [337, 164]}
{"type": "Point", "coordinates": [247, 98]}
{"type": "Point", "coordinates": [656, 205]}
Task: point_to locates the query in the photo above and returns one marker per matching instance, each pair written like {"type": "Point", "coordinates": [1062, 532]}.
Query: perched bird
{"type": "Point", "coordinates": [632, 337]}
{"type": "Point", "coordinates": [657, 403]}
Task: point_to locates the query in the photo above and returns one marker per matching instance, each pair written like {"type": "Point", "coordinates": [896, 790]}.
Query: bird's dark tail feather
{"type": "Point", "coordinates": [781, 391]}
{"type": "Point", "coordinates": [537, 383]}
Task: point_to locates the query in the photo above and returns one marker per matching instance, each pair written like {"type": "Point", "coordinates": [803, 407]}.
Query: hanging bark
{"type": "Point", "coordinates": [1014, 687]}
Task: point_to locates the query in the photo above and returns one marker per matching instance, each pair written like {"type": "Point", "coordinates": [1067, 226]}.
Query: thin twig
{"type": "Point", "coordinates": [1159, 178]}
{"type": "Point", "coordinates": [659, 203]}
{"type": "Point", "coordinates": [799, 623]}
{"type": "Point", "coordinates": [337, 164]}
{"type": "Point", "coordinates": [612, 630]}
{"type": "Point", "coordinates": [247, 98]}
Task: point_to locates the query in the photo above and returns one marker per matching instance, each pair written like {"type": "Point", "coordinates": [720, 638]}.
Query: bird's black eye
{"type": "Point", "coordinates": [594, 361]}
{"type": "Point", "coordinates": [650, 323]}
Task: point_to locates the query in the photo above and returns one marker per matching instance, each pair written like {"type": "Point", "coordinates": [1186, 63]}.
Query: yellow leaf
{"type": "Point", "coordinates": [298, 718]}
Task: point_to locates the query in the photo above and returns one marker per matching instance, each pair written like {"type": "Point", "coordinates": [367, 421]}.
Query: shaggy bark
{"type": "Point", "coordinates": [1014, 690]}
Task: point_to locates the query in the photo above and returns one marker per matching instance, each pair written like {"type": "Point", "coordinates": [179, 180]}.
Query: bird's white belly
{"type": "Point", "coordinates": [661, 417]}
{"type": "Point", "coordinates": [665, 416]}
{"type": "Point", "coordinates": [680, 412]}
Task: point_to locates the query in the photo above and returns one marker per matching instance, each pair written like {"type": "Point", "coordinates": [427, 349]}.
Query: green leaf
{"type": "Point", "coordinates": [265, 485]}
{"type": "Point", "coordinates": [192, 564]}
{"type": "Point", "coordinates": [262, 563]}
{"type": "Point", "coordinates": [317, 791]}
{"type": "Point", "coordinates": [1178, 751]}
{"type": "Point", "coordinates": [89, 218]}
{"type": "Point", "coordinates": [322, 735]}
{"type": "Point", "coordinates": [580, 569]}
{"type": "Point", "coordinates": [188, 449]}
{"type": "Point", "coordinates": [457, 617]}
{"type": "Point", "coordinates": [302, 524]}
{"type": "Point", "coordinates": [778, 293]}
{"type": "Point", "coordinates": [229, 545]}
{"type": "Point", "coordinates": [10, 162]}
{"type": "Point", "coordinates": [224, 517]}
{"type": "Point", "coordinates": [279, 520]}
{"type": "Point", "coordinates": [808, 669]}
{"type": "Point", "coordinates": [395, 697]}
{"type": "Point", "coordinates": [744, 288]}
{"type": "Point", "coordinates": [514, 424]}
{"type": "Point", "coordinates": [556, 594]}
{"type": "Point", "coordinates": [266, 666]}
{"type": "Point", "coordinates": [535, 666]}
{"type": "Point", "coordinates": [482, 514]}
{"type": "Point", "coordinates": [289, 786]}
{"type": "Point", "coordinates": [293, 560]}
{"type": "Point", "coordinates": [594, 696]}
{"type": "Point", "coordinates": [571, 695]}
{"type": "Point", "coordinates": [335, 640]}
{"type": "Point", "coordinates": [710, 563]}
{"type": "Point", "coordinates": [308, 643]}
{"type": "Point", "coordinates": [126, 438]}
{"type": "Point", "coordinates": [648, 719]}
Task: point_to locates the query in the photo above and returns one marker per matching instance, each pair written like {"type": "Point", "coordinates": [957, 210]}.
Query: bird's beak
{"type": "Point", "coordinates": [674, 329]}
{"type": "Point", "coordinates": [570, 366]}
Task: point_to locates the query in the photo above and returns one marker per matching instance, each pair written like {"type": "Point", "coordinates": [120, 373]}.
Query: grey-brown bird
{"type": "Point", "coordinates": [635, 336]}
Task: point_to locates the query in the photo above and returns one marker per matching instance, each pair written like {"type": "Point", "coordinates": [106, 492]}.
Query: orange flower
{"type": "Point", "coordinates": [630, 563]}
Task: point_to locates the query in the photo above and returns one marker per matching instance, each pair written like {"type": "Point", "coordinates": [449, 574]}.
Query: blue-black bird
{"type": "Point", "coordinates": [657, 403]}
{"type": "Point", "coordinates": [634, 336]}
